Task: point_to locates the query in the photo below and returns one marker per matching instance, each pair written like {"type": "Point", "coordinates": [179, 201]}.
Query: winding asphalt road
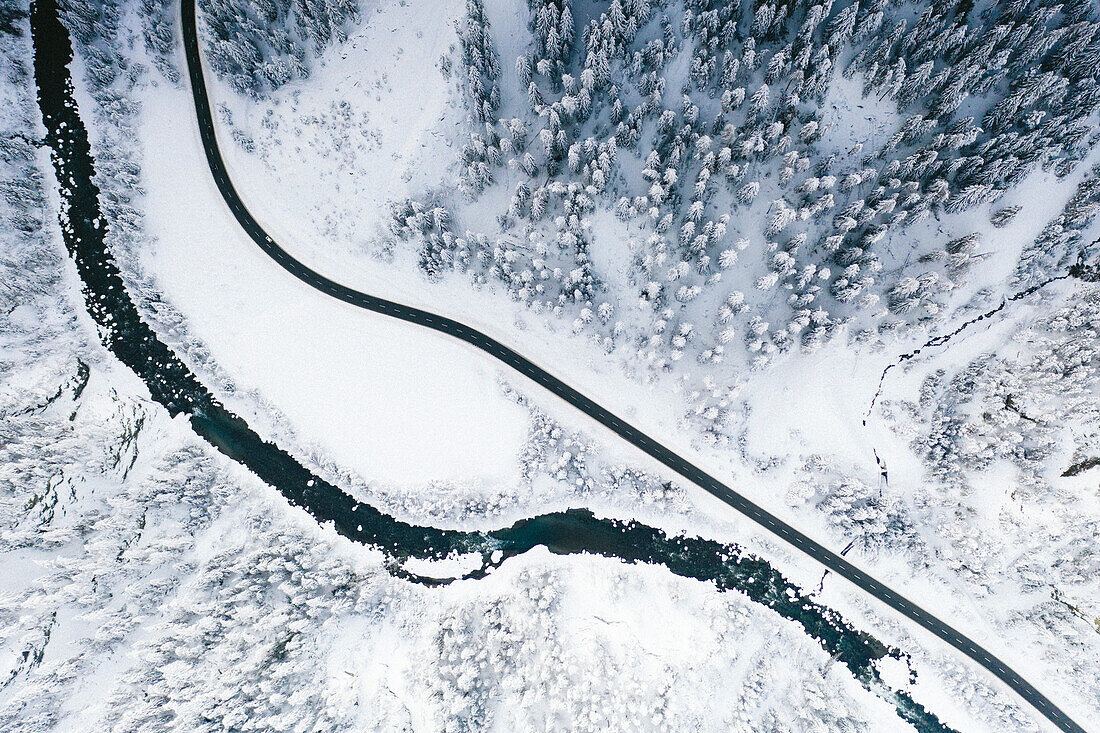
{"type": "Point", "coordinates": [475, 338]}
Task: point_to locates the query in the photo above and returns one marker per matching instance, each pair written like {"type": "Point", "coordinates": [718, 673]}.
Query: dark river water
{"type": "Point", "coordinates": [173, 385]}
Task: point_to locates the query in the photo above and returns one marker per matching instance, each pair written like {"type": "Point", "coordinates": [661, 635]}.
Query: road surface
{"type": "Point", "coordinates": [680, 465]}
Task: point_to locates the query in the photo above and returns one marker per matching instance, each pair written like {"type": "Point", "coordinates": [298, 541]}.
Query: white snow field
{"type": "Point", "coordinates": [388, 402]}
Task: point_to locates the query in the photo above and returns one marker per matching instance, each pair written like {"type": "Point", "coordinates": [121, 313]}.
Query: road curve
{"type": "Point", "coordinates": [475, 338]}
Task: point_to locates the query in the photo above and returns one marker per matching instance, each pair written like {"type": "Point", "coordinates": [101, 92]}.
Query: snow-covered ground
{"type": "Point", "coordinates": [800, 424]}
{"type": "Point", "coordinates": [317, 633]}
{"type": "Point", "coordinates": [388, 402]}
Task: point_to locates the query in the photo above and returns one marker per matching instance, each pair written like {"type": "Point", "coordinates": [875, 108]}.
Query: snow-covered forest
{"type": "Point", "coordinates": [845, 253]}
{"type": "Point", "coordinates": [754, 217]}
